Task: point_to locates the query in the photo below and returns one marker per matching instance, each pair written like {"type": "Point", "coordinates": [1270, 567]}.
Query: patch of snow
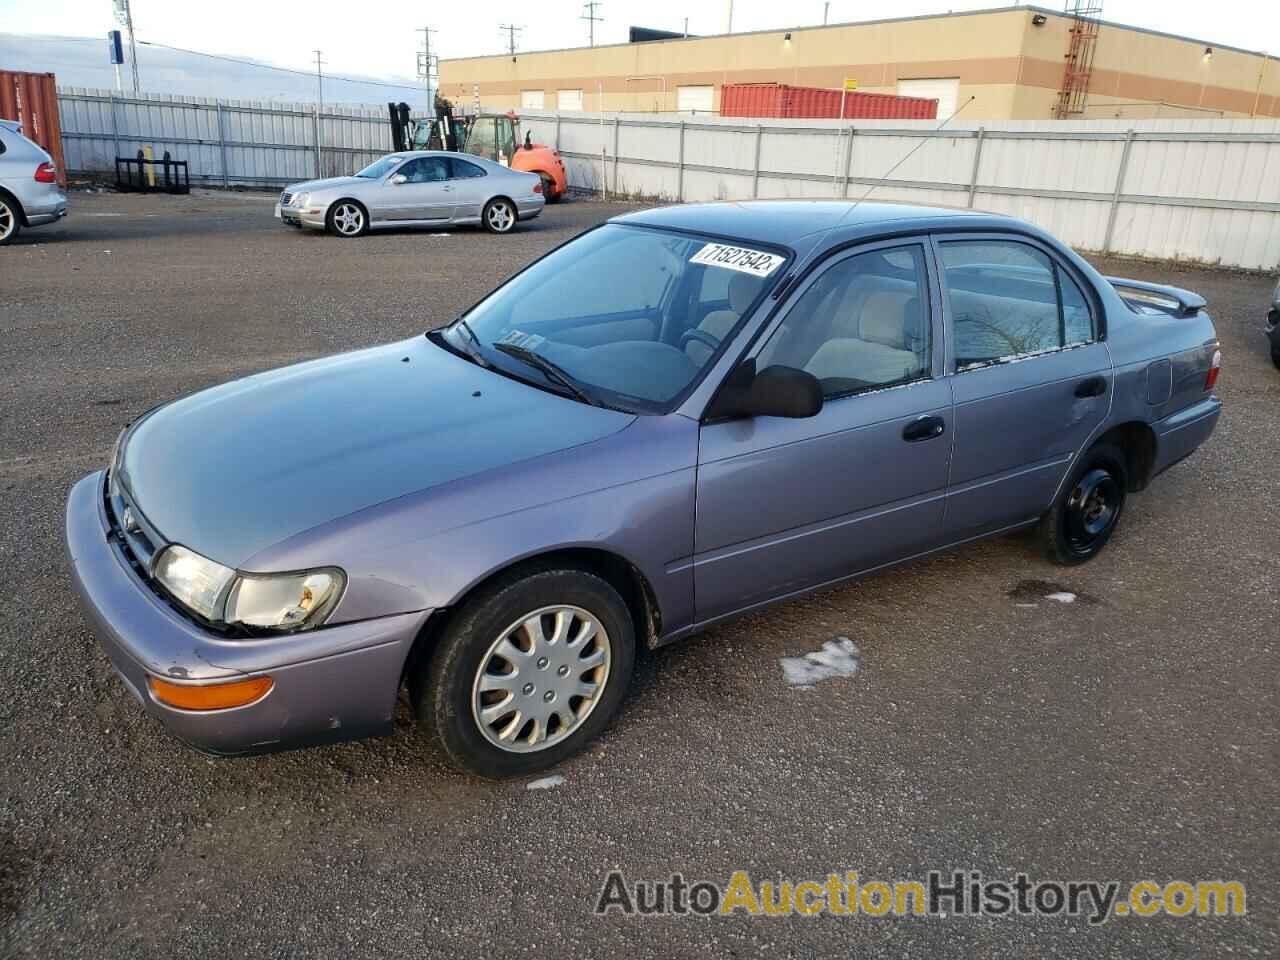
{"type": "Point", "coordinates": [1062, 597]}
{"type": "Point", "coordinates": [545, 783]}
{"type": "Point", "coordinates": [837, 658]}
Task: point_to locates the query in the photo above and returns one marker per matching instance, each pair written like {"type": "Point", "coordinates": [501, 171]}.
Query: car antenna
{"type": "Point", "coordinates": [905, 157]}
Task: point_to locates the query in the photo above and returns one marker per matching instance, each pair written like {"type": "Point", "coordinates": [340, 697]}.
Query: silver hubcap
{"type": "Point", "coordinates": [6, 221]}
{"type": "Point", "coordinates": [540, 680]}
{"type": "Point", "coordinates": [500, 217]}
{"type": "Point", "coordinates": [348, 219]}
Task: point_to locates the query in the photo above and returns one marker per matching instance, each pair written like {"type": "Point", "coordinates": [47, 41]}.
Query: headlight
{"type": "Point", "coordinates": [302, 199]}
{"type": "Point", "coordinates": [292, 601]}
{"type": "Point", "coordinates": [284, 602]}
{"type": "Point", "coordinates": [194, 581]}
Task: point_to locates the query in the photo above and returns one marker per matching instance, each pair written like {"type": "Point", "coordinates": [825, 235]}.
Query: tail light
{"type": "Point", "coordinates": [1215, 367]}
{"type": "Point", "coordinates": [46, 173]}
{"type": "Point", "coordinates": [538, 188]}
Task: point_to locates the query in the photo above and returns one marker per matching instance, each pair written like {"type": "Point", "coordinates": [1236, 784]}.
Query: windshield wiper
{"type": "Point", "coordinates": [473, 348]}
{"type": "Point", "coordinates": [551, 369]}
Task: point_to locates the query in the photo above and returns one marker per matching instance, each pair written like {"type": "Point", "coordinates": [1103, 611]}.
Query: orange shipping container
{"type": "Point", "coordinates": [32, 100]}
{"type": "Point", "coordinates": [784, 100]}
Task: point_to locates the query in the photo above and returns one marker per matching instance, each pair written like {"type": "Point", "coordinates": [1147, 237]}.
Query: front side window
{"type": "Point", "coordinates": [482, 140]}
{"type": "Point", "coordinates": [1005, 302]}
{"type": "Point", "coordinates": [623, 311]}
{"type": "Point", "coordinates": [864, 323]}
{"type": "Point", "coordinates": [426, 170]}
{"type": "Point", "coordinates": [380, 168]}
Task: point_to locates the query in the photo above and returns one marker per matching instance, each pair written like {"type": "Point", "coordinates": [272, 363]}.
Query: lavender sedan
{"type": "Point", "coordinates": [679, 416]}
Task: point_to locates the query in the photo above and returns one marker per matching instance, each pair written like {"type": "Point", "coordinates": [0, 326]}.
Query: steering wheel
{"type": "Point", "coordinates": [702, 337]}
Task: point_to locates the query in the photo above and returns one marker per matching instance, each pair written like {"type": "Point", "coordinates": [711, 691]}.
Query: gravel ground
{"type": "Point", "coordinates": [1130, 734]}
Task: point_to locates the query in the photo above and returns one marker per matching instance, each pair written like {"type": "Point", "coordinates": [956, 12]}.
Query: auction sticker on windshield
{"type": "Point", "coordinates": [755, 262]}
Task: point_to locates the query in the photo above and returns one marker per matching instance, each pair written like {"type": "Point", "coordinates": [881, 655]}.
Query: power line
{"type": "Point", "coordinates": [267, 66]}
{"type": "Point", "coordinates": [591, 18]}
{"type": "Point", "coordinates": [511, 30]}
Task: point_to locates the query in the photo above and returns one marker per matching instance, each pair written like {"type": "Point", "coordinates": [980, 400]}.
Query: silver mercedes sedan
{"type": "Point", "coordinates": [426, 188]}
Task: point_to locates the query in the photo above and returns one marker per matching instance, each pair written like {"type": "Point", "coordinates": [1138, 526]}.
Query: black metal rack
{"type": "Point", "coordinates": [131, 174]}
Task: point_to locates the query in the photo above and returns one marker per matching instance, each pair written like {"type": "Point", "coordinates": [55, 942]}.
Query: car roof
{"type": "Point", "coordinates": [787, 221]}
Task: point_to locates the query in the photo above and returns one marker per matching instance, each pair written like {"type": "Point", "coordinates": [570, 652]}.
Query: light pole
{"type": "Point", "coordinates": [124, 16]}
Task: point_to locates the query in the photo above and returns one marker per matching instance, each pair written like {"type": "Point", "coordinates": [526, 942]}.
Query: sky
{"type": "Point", "coordinates": [379, 39]}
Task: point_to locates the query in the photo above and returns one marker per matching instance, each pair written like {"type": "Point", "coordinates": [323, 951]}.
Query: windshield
{"type": "Point", "coordinates": [379, 168]}
{"type": "Point", "coordinates": [628, 316]}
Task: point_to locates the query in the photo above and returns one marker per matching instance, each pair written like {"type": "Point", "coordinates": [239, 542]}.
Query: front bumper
{"type": "Point", "coordinates": [336, 683]}
{"type": "Point", "coordinates": [312, 217]}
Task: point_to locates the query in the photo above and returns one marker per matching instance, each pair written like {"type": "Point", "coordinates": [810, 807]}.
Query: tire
{"type": "Point", "coordinates": [1275, 356]}
{"type": "Point", "coordinates": [549, 192]}
{"type": "Point", "coordinates": [463, 693]}
{"type": "Point", "coordinates": [1088, 509]}
{"type": "Point", "coordinates": [10, 220]}
{"type": "Point", "coordinates": [499, 215]}
{"type": "Point", "coordinates": [347, 219]}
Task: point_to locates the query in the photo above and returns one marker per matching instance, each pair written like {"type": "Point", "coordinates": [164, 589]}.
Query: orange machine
{"type": "Point", "coordinates": [496, 137]}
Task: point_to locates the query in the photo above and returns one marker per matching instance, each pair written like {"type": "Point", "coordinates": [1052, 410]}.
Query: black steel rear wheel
{"type": "Point", "coordinates": [1087, 510]}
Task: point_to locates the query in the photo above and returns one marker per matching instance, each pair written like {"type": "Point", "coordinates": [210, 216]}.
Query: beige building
{"type": "Point", "coordinates": [1011, 61]}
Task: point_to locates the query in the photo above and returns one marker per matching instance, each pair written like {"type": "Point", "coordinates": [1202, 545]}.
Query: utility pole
{"type": "Point", "coordinates": [592, 19]}
{"type": "Point", "coordinates": [424, 59]}
{"type": "Point", "coordinates": [319, 80]}
{"type": "Point", "coordinates": [730, 30]}
{"type": "Point", "coordinates": [124, 16]}
{"type": "Point", "coordinates": [512, 30]}
{"type": "Point", "coordinates": [826, 10]}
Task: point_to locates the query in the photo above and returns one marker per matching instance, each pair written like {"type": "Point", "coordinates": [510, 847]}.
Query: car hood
{"type": "Point", "coordinates": [310, 186]}
{"type": "Point", "coordinates": [234, 469]}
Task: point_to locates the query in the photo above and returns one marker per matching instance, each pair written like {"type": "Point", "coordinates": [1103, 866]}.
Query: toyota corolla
{"type": "Point", "coordinates": [679, 416]}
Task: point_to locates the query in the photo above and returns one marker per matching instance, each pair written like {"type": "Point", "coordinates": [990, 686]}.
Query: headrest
{"type": "Point", "coordinates": [883, 318]}
{"type": "Point", "coordinates": [742, 290]}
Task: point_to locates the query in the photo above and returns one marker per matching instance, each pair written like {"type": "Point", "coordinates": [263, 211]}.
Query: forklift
{"type": "Point", "coordinates": [494, 136]}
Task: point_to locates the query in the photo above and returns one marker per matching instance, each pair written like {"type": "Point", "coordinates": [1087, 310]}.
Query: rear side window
{"type": "Point", "coordinates": [463, 170]}
{"type": "Point", "coordinates": [1010, 300]}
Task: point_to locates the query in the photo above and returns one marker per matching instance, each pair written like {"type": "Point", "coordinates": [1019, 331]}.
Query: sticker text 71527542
{"type": "Point", "coordinates": [755, 262]}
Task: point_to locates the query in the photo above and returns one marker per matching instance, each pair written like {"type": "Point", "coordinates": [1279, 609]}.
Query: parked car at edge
{"type": "Point", "coordinates": [1273, 324]}
{"type": "Point", "coordinates": [29, 192]}
{"type": "Point", "coordinates": [417, 188]}
{"type": "Point", "coordinates": [677, 417]}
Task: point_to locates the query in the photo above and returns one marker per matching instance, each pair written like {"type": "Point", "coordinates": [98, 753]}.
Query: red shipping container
{"type": "Point", "coordinates": [784, 100]}
{"type": "Point", "coordinates": [32, 100]}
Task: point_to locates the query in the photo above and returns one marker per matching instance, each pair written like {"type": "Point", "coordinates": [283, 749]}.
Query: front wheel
{"type": "Point", "coordinates": [499, 216]}
{"type": "Point", "coordinates": [549, 192]}
{"type": "Point", "coordinates": [10, 221]}
{"type": "Point", "coordinates": [1275, 356]}
{"type": "Point", "coordinates": [346, 218]}
{"type": "Point", "coordinates": [527, 672]}
{"type": "Point", "coordinates": [1085, 514]}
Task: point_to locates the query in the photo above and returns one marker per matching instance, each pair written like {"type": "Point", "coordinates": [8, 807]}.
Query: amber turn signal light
{"type": "Point", "coordinates": [209, 696]}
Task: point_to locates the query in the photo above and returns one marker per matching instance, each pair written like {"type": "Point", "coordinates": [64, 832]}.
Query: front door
{"type": "Point", "coordinates": [1032, 378]}
{"type": "Point", "coordinates": [425, 194]}
{"type": "Point", "coordinates": [784, 505]}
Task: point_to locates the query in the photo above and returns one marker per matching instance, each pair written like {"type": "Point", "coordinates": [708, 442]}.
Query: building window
{"type": "Point", "coordinates": [532, 100]}
{"type": "Point", "coordinates": [696, 99]}
{"type": "Point", "coordinates": [946, 90]}
{"type": "Point", "coordinates": [569, 99]}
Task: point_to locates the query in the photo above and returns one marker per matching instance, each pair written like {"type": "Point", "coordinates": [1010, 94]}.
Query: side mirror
{"type": "Point", "coordinates": [398, 179]}
{"type": "Point", "coordinates": [776, 391]}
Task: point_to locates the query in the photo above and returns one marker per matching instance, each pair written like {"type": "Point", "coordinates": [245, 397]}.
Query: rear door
{"type": "Point", "coordinates": [784, 505]}
{"type": "Point", "coordinates": [1032, 377]}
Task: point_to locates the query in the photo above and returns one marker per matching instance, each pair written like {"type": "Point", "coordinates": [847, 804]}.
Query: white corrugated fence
{"type": "Point", "coordinates": [1197, 190]}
